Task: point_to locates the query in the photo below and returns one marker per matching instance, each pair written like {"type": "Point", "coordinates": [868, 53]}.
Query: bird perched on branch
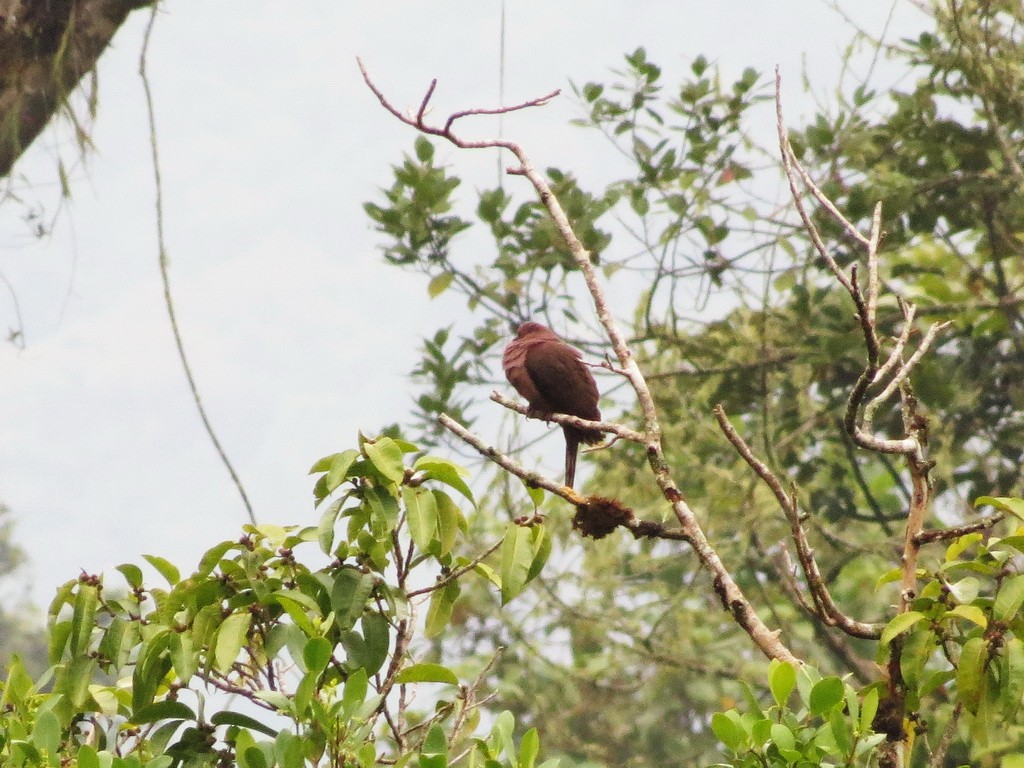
{"type": "Point", "coordinates": [553, 378]}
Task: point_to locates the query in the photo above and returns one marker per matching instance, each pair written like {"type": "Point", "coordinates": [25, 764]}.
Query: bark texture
{"type": "Point", "coordinates": [46, 47]}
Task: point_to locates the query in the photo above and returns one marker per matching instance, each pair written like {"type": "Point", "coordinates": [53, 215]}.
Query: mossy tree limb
{"type": "Point", "coordinates": [46, 47]}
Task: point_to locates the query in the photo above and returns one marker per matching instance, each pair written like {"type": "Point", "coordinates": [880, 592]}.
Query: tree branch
{"type": "Point", "coordinates": [43, 56]}
{"type": "Point", "coordinates": [728, 590]}
{"type": "Point", "coordinates": [826, 608]}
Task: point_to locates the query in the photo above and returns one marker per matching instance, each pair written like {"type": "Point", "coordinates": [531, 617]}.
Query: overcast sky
{"type": "Point", "coordinates": [298, 333]}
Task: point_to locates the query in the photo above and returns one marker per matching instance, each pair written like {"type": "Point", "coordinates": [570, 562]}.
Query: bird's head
{"type": "Point", "coordinates": [529, 328]}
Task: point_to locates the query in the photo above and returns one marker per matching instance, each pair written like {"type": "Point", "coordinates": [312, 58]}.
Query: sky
{"type": "Point", "coordinates": [297, 331]}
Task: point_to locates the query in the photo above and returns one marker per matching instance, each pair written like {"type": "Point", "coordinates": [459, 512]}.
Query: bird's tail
{"type": "Point", "coordinates": [572, 444]}
{"type": "Point", "coordinates": [573, 438]}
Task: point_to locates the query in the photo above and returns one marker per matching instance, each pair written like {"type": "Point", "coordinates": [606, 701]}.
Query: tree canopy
{"type": "Point", "coordinates": [816, 466]}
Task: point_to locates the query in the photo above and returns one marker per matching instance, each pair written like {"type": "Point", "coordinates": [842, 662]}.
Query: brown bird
{"type": "Point", "coordinates": [551, 375]}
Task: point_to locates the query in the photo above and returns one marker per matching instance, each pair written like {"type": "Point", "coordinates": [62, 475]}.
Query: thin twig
{"type": "Point", "coordinates": [456, 573]}
{"type": "Point", "coordinates": [945, 534]}
{"type": "Point", "coordinates": [165, 276]}
{"type": "Point", "coordinates": [905, 369]}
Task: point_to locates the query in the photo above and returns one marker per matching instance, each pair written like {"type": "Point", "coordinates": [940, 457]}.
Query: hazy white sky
{"type": "Point", "coordinates": [298, 333]}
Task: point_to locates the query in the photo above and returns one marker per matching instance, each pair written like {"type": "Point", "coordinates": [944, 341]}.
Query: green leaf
{"type": "Point", "coordinates": [728, 729]}
{"type": "Point", "coordinates": [288, 750]}
{"type": "Point", "coordinates": [304, 693]}
{"type": "Point", "coordinates": [868, 708]}
{"type": "Point", "coordinates": [368, 755]}
{"type": "Point", "coordinates": [252, 757]}
{"type": "Point", "coordinates": [449, 521]}
{"type": "Point", "coordinates": [322, 465]}
{"type": "Point", "coordinates": [529, 748]}
{"type": "Point", "coordinates": [46, 733]}
{"type": "Point", "coordinates": [446, 472]}
{"type": "Point", "coordinates": [966, 589]}
{"type": "Point", "coordinates": [1009, 599]}
{"type": "Point", "coordinates": [894, 574]}
{"type": "Point", "coordinates": [960, 545]}
{"type": "Point", "coordinates": [296, 610]}
{"type": "Point", "coordinates": [970, 672]}
{"type": "Point", "coordinates": [87, 757]}
{"type": "Point", "coordinates": [152, 664]}
{"type": "Point", "coordinates": [424, 149]}
{"type": "Point", "coordinates": [275, 699]}
{"type": "Point", "coordinates": [386, 456]}
{"type": "Point", "coordinates": [488, 573]}
{"type": "Point", "coordinates": [213, 556]}
{"type": "Point", "coordinates": [536, 495]}
{"type": "Point", "coordinates": [504, 724]}
{"type": "Point", "coordinates": [1013, 677]}
{"type": "Point", "coordinates": [337, 472]}
{"type": "Point", "coordinates": [349, 594]}
{"type": "Point", "coordinates": [355, 691]}
{"type": "Point", "coordinates": [230, 639]}
{"type": "Point", "coordinates": [442, 601]}
{"type": "Point", "coordinates": [427, 673]}
{"type": "Point", "coordinates": [384, 511]}
{"type": "Point", "coordinates": [165, 568]}
{"type": "Point", "coordinates": [377, 640]}
{"type": "Point", "coordinates": [970, 612]}
{"type": "Point", "coordinates": [781, 680]}
{"type": "Point", "coordinates": [439, 284]}
{"type": "Point", "coordinates": [184, 656]}
{"type": "Point", "coordinates": [826, 694]}
{"type": "Point", "coordinates": [783, 737]}
{"type": "Point", "coordinates": [79, 677]}
{"type": "Point", "coordinates": [132, 574]}
{"type": "Point", "coordinates": [1011, 505]}
{"type": "Point", "coordinates": [434, 753]}
{"type": "Point", "coordinates": [899, 624]}
{"type": "Point", "coordinates": [421, 516]}
{"type": "Point", "coordinates": [163, 710]}
{"type": "Point", "coordinates": [841, 731]}
{"type": "Point", "coordinates": [516, 558]}
{"type": "Point", "coordinates": [541, 543]}
{"type": "Point", "coordinates": [317, 653]}
{"type": "Point", "coordinates": [228, 717]}
{"type": "Point", "coordinates": [83, 618]}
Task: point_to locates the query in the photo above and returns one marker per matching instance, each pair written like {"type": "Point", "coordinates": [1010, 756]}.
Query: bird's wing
{"type": "Point", "coordinates": [562, 379]}
{"type": "Point", "coordinates": [514, 363]}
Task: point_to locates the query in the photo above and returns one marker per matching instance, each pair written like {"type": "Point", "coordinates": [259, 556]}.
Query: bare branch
{"type": "Point", "coordinates": [790, 164]}
{"type": "Point", "coordinates": [905, 369]}
{"type": "Point", "coordinates": [945, 534]}
{"type": "Point", "coordinates": [897, 353]}
{"type": "Point", "coordinates": [596, 516]}
{"type": "Point", "coordinates": [531, 478]}
{"type": "Point", "coordinates": [456, 573]}
{"type": "Point", "coordinates": [574, 421]}
{"type": "Point", "coordinates": [826, 608]}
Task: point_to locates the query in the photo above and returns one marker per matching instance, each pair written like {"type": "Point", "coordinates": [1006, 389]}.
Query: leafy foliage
{"type": "Point", "coordinates": [264, 657]}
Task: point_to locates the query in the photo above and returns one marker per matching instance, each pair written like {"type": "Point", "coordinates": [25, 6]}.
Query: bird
{"type": "Point", "coordinates": [553, 378]}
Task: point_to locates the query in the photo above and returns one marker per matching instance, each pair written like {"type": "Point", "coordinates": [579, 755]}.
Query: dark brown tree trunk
{"type": "Point", "coordinates": [46, 47]}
